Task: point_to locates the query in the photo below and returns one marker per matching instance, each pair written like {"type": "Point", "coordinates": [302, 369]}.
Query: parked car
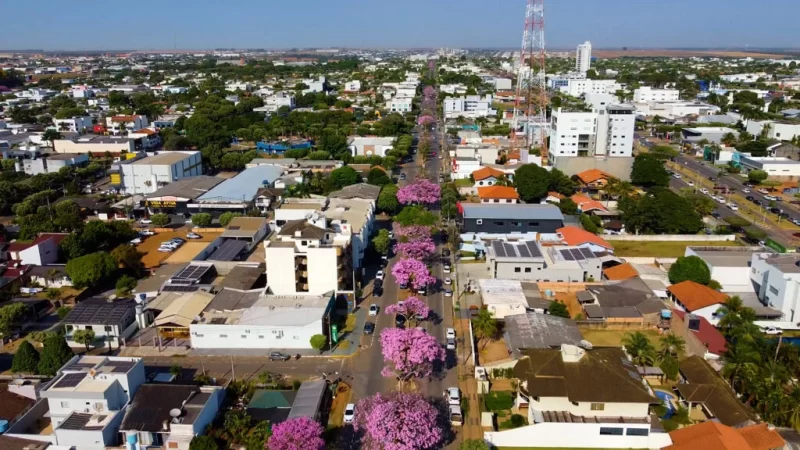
{"type": "Point", "coordinates": [750, 198]}
{"type": "Point", "coordinates": [448, 292]}
{"type": "Point", "coordinates": [733, 206]}
{"type": "Point", "coordinates": [774, 210]}
{"type": "Point", "coordinates": [676, 175]}
{"type": "Point", "coordinates": [772, 330]}
{"type": "Point", "coordinates": [746, 191]}
{"type": "Point", "coordinates": [278, 356]}
{"type": "Point", "coordinates": [703, 191]}
{"type": "Point", "coordinates": [451, 333]}
{"type": "Point", "coordinates": [763, 191]}
{"type": "Point", "coordinates": [446, 268]}
{"type": "Point", "coordinates": [166, 249]}
{"type": "Point", "coordinates": [403, 285]}
{"type": "Point", "coordinates": [690, 183]}
{"type": "Point", "coordinates": [369, 327]}
{"type": "Point", "coordinates": [402, 176]}
{"type": "Point", "coordinates": [422, 291]}
{"type": "Point", "coordinates": [147, 233]}
{"type": "Point", "coordinates": [400, 321]}
{"type": "Point", "coordinates": [379, 275]}
{"type": "Point", "coordinates": [193, 236]}
{"type": "Point", "coordinates": [146, 221]}
{"type": "Point", "coordinates": [448, 281]}
{"type": "Point", "coordinates": [451, 344]}
{"type": "Point", "coordinates": [373, 309]}
{"type": "Point", "coordinates": [349, 413]}
{"type": "Point", "coordinates": [758, 202]}
{"type": "Point", "coordinates": [136, 240]}
{"type": "Point", "coordinates": [456, 418]}
{"type": "Point", "coordinates": [453, 396]}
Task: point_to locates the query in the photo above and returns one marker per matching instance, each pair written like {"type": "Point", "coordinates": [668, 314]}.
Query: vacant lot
{"type": "Point", "coordinates": [613, 338]}
{"type": "Point", "coordinates": [664, 249]}
{"type": "Point", "coordinates": [153, 258]}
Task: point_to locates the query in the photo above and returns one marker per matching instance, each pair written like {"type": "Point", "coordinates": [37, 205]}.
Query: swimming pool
{"type": "Point", "coordinates": [666, 400]}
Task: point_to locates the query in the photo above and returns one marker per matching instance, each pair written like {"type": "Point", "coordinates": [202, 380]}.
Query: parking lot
{"type": "Point", "coordinates": [154, 258]}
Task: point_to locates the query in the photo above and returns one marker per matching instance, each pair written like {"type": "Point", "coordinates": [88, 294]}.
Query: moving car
{"type": "Point", "coordinates": [391, 235]}
{"type": "Point", "coordinates": [733, 206]}
{"type": "Point", "coordinates": [703, 191]}
{"type": "Point", "coordinates": [746, 191]}
{"type": "Point", "coordinates": [690, 183]}
{"type": "Point", "coordinates": [369, 327]}
{"type": "Point", "coordinates": [453, 396]}
{"type": "Point", "coordinates": [772, 330]}
{"type": "Point", "coordinates": [193, 236]}
{"type": "Point", "coordinates": [676, 175]}
{"type": "Point", "coordinates": [278, 356]}
{"type": "Point", "coordinates": [349, 413]}
{"type": "Point", "coordinates": [451, 333]}
{"type": "Point", "coordinates": [373, 309]}
{"type": "Point", "coordinates": [379, 275]}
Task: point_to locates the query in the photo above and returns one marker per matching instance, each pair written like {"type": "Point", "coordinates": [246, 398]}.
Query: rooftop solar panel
{"type": "Point", "coordinates": [567, 255]}
{"type": "Point", "coordinates": [192, 272]}
{"type": "Point", "coordinates": [587, 253]}
{"type": "Point", "coordinates": [228, 251]}
{"type": "Point", "coordinates": [509, 248]}
{"type": "Point", "coordinates": [498, 248]}
{"type": "Point", "coordinates": [70, 380]}
{"type": "Point", "coordinates": [523, 251]}
{"type": "Point", "coordinates": [172, 288]}
{"type": "Point", "coordinates": [577, 254]}
{"type": "Point", "coordinates": [121, 366]}
{"type": "Point", "coordinates": [533, 248]}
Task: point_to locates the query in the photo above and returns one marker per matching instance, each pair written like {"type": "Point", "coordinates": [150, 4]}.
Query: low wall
{"type": "Point", "coordinates": [648, 260]}
{"type": "Point", "coordinates": [603, 325]}
{"type": "Point", "coordinates": [208, 230]}
{"type": "Point", "coordinates": [671, 237]}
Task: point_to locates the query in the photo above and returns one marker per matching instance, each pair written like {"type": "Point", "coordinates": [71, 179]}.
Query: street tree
{"type": "Point", "coordinates": [387, 199]}
{"type": "Point", "coordinates": [757, 176]}
{"type": "Point", "coordinates": [412, 308]}
{"type": "Point", "coordinates": [419, 249]}
{"type": "Point", "coordinates": [689, 268]}
{"type": "Point", "coordinates": [399, 421]}
{"type": "Point", "coordinates": [409, 353]}
{"type": "Point", "coordinates": [160, 220]}
{"type": "Point", "coordinates": [301, 433]}
{"type": "Point", "coordinates": [412, 272]}
{"type": "Point", "coordinates": [381, 242]}
{"type": "Point", "coordinates": [649, 171]}
{"type": "Point", "coordinates": [421, 191]}
{"type": "Point", "coordinates": [415, 215]}
{"type": "Point", "coordinates": [201, 220]}
{"type": "Point", "coordinates": [318, 341]}
{"type": "Point", "coordinates": [225, 218]}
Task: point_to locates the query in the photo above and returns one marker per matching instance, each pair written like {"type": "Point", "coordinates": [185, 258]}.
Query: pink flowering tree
{"type": "Point", "coordinates": [413, 272]}
{"type": "Point", "coordinates": [416, 249]}
{"type": "Point", "coordinates": [421, 191]}
{"type": "Point", "coordinates": [412, 308]}
{"type": "Point", "coordinates": [411, 232]}
{"type": "Point", "coordinates": [429, 91]}
{"type": "Point", "coordinates": [398, 421]}
{"type": "Point", "coordinates": [302, 433]}
{"type": "Point", "coordinates": [426, 120]}
{"type": "Point", "coordinates": [409, 353]}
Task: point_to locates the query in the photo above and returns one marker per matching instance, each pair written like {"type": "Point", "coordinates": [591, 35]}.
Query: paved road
{"type": "Point", "coordinates": [225, 368]}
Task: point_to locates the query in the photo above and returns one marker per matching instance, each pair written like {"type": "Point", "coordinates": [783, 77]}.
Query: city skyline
{"type": "Point", "coordinates": [415, 24]}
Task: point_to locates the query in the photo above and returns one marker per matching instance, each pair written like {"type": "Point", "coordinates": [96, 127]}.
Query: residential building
{"type": "Point", "coordinates": [352, 86]}
{"type": "Point", "coordinates": [128, 88]}
{"type": "Point", "coordinates": [533, 330]}
{"type": "Point", "coordinates": [276, 406]}
{"type": "Point", "coordinates": [40, 252]}
{"type": "Point", "coordinates": [709, 134]}
{"type": "Point", "coordinates": [400, 104]}
{"type": "Point", "coordinates": [83, 407]}
{"type": "Point", "coordinates": [469, 106]}
{"type": "Point", "coordinates": [234, 86]}
{"type": "Point", "coordinates": [153, 420]}
{"type": "Point", "coordinates": [714, 435]}
{"type": "Point", "coordinates": [268, 199]}
{"type": "Point", "coordinates": [630, 301]}
{"type": "Point", "coordinates": [594, 180]}
{"type": "Point", "coordinates": [677, 109]}
{"type": "Point", "coordinates": [36, 95]}
{"type": "Point", "coordinates": [502, 84]}
{"type": "Point", "coordinates": [370, 146]}
{"type": "Point", "coordinates": [529, 261]}
{"type": "Point", "coordinates": [646, 94]}
{"type": "Point", "coordinates": [112, 322]}
{"type": "Point", "coordinates": [498, 194]}
{"type": "Point", "coordinates": [317, 85]}
{"type": "Point", "coordinates": [777, 282]}
{"type": "Point", "coordinates": [708, 395]}
{"type": "Point", "coordinates": [301, 259]}
{"type": "Point", "coordinates": [712, 342]}
{"type": "Point", "coordinates": [78, 124]}
{"type": "Point", "coordinates": [581, 398]}
{"type": "Point", "coordinates": [606, 132]}
{"type": "Point", "coordinates": [583, 57]}
{"type": "Point", "coordinates": [354, 216]}
{"type": "Point", "coordinates": [781, 130]}
{"type": "Point", "coordinates": [453, 89]}
{"type": "Point", "coordinates": [249, 320]}
{"type": "Point", "coordinates": [50, 276]}
{"type": "Point", "coordinates": [729, 266]}
{"type": "Point", "coordinates": [578, 237]}
{"type": "Point", "coordinates": [53, 163]}
{"type": "Point", "coordinates": [250, 230]}
{"type": "Point", "coordinates": [119, 125]}
{"type": "Point", "coordinates": [486, 176]}
{"type": "Point", "coordinates": [273, 102]}
{"type": "Point", "coordinates": [697, 299]}
{"type": "Point", "coordinates": [145, 174]}
{"type": "Point", "coordinates": [509, 218]}
{"type": "Point", "coordinates": [743, 77]}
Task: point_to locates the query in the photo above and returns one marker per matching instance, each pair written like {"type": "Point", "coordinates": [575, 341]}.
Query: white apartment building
{"type": "Point", "coordinates": [317, 85]}
{"type": "Point", "coordinates": [583, 57]}
{"type": "Point", "coordinates": [470, 106]}
{"type": "Point", "coordinates": [584, 86]}
{"type": "Point", "coordinates": [234, 86]}
{"type": "Point", "coordinates": [502, 84]}
{"type": "Point", "coordinates": [647, 94]}
{"type": "Point", "coordinates": [400, 104]}
{"type": "Point", "coordinates": [784, 131]}
{"type": "Point", "coordinates": [743, 77]}
{"type": "Point", "coordinates": [84, 405]}
{"type": "Point", "coordinates": [307, 257]}
{"type": "Point", "coordinates": [35, 94]}
{"type": "Point", "coordinates": [777, 280]}
{"type": "Point", "coordinates": [370, 146]}
{"type": "Point", "coordinates": [453, 89]}
{"type": "Point", "coordinates": [143, 175]}
{"type": "Point", "coordinates": [77, 124]}
{"type": "Point", "coordinates": [53, 163]}
{"type": "Point", "coordinates": [353, 86]}
{"type": "Point", "coordinates": [606, 132]}
{"type": "Point", "coordinates": [116, 125]}
{"type": "Point", "coordinates": [274, 102]}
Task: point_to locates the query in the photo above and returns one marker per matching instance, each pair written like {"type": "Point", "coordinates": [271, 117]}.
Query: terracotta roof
{"type": "Point", "coordinates": [576, 236]}
{"type": "Point", "coordinates": [592, 175]}
{"type": "Point", "coordinates": [712, 435]}
{"type": "Point", "coordinates": [694, 296]}
{"type": "Point", "coordinates": [19, 246]}
{"type": "Point", "coordinates": [587, 204]}
{"type": "Point", "coordinates": [620, 272]}
{"type": "Point", "coordinates": [556, 195]}
{"type": "Point", "coordinates": [13, 405]}
{"type": "Point", "coordinates": [147, 131]}
{"type": "Point", "coordinates": [57, 237]}
{"type": "Point", "coordinates": [504, 192]}
{"type": "Point", "coordinates": [707, 334]}
{"type": "Point", "coordinates": [486, 172]}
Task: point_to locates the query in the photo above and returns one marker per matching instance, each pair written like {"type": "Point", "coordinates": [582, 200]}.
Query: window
{"type": "Point", "coordinates": [479, 221]}
{"type": "Point", "coordinates": [598, 406]}
{"type": "Point", "coordinates": [773, 290]}
{"type": "Point", "coordinates": [516, 224]}
{"type": "Point", "coordinates": [496, 200]}
{"type": "Point", "coordinates": [65, 404]}
{"type": "Point", "coordinates": [637, 432]}
{"type": "Point", "coordinates": [527, 270]}
{"type": "Point", "coordinates": [303, 243]}
{"type": "Point", "coordinates": [223, 336]}
{"type": "Point", "coordinates": [533, 224]}
{"type": "Point", "coordinates": [517, 270]}
{"type": "Point", "coordinates": [608, 431]}
{"type": "Point", "coordinates": [108, 328]}
{"type": "Point", "coordinates": [499, 223]}
{"type": "Point", "coordinates": [244, 336]}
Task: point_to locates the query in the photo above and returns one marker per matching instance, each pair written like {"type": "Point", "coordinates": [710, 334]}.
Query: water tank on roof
{"type": "Point", "coordinates": [666, 314]}
{"type": "Point", "coordinates": [548, 293]}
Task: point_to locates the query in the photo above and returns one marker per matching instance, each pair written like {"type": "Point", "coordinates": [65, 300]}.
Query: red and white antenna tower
{"type": "Point", "coordinates": [530, 118]}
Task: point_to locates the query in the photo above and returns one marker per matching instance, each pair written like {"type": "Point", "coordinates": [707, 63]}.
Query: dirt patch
{"type": "Point", "coordinates": [336, 416]}
{"type": "Point", "coordinates": [571, 300]}
{"type": "Point", "coordinates": [665, 53]}
{"type": "Point", "coordinates": [153, 258]}
{"type": "Point", "coordinates": [613, 338]}
{"type": "Point", "coordinates": [186, 252]}
{"type": "Point", "coordinates": [494, 352]}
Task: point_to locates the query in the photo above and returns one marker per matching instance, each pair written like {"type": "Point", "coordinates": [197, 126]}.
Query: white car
{"type": "Point", "coordinates": [136, 240]}
{"type": "Point", "coordinates": [193, 236]}
{"type": "Point", "coordinates": [721, 200]}
{"type": "Point", "coordinates": [379, 275]}
{"type": "Point", "coordinates": [391, 235]}
{"type": "Point", "coordinates": [771, 198]}
{"type": "Point", "coordinates": [146, 221]}
{"type": "Point", "coordinates": [746, 191]}
{"type": "Point", "coordinates": [451, 333]}
{"type": "Point", "coordinates": [676, 175]}
{"type": "Point", "coordinates": [147, 233]}
{"type": "Point", "coordinates": [733, 206]}
{"type": "Point", "coordinates": [166, 249]}
{"type": "Point", "coordinates": [373, 309]}
{"type": "Point", "coordinates": [703, 191]}
{"type": "Point", "coordinates": [451, 344]}
{"type": "Point", "coordinates": [448, 281]}
{"type": "Point", "coordinates": [763, 191]}
{"type": "Point", "coordinates": [349, 413]}
{"type": "Point", "coordinates": [446, 268]}
{"type": "Point", "coordinates": [453, 396]}
{"type": "Point", "coordinates": [772, 330]}
{"type": "Point", "coordinates": [448, 292]}
{"type": "Point", "coordinates": [690, 183]}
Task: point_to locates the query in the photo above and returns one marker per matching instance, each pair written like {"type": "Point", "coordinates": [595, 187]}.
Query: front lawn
{"type": "Point", "coordinates": [663, 249]}
{"type": "Point", "coordinates": [613, 338]}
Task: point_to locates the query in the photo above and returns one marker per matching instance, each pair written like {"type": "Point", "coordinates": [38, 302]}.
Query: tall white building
{"type": "Point", "coordinates": [604, 132]}
{"type": "Point", "coordinates": [646, 94]}
{"type": "Point", "coordinates": [583, 57]}
{"type": "Point", "coordinates": [580, 86]}
{"type": "Point", "coordinates": [469, 106]}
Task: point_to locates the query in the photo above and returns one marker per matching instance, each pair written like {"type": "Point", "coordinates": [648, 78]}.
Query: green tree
{"type": "Point", "coordinates": [126, 255]}
{"type": "Point", "coordinates": [567, 206]}
{"type": "Point", "coordinates": [532, 182]}
{"type": "Point", "coordinates": [649, 171]}
{"type": "Point", "coordinates": [473, 444]}
{"type": "Point", "coordinates": [125, 284]}
{"type": "Point", "coordinates": [381, 242]}
{"type": "Point", "coordinates": [559, 182]}
{"type": "Point", "coordinates": [485, 326]}
{"type": "Point", "coordinates": [387, 199]}
{"type": "Point", "coordinates": [50, 135]}
{"type": "Point", "coordinates": [63, 312]}
{"type": "Point", "coordinates": [671, 345]}
{"type": "Point", "coordinates": [225, 218]}
{"type": "Point", "coordinates": [201, 220]}
{"type": "Point", "coordinates": [588, 224]}
{"type": "Point", "coordinates": [55, 354]}
{"type": "Point", "coordinates": [319, 341]}
{"type": "Point", "coordinates": [10, 316]}
{"type": "Point", "coordinates": [85, 337]}
{"type": "Point", "coordinates": [639, 347]}
{"type": "Point", "coordinates": [378, 177]}
{"type": "Point", "coordinates": [415, 215]}
{"type": "Point", "coordinates": [160, 220]}
{"type": "Point", "coordinates": [175, 370]}
{"type": "Point", "coordinates": [26, 359]}
{"type": "Point", "coordinates": [258, 436]}
{"type": "Point", "coordinates": [689, 268]}
{"type": "Point", "coordinates": [344, 176]}
{"type": "Point", "coordinates": [757, 176]}
{"type": "Point", "coordinates": [89, 270]}
{"type": "Point", "coordinates": [204, 442]}
{"type": "Point", "coordinates": [558, 309]}
{"type": "Point", "coordinates": [660, 211]}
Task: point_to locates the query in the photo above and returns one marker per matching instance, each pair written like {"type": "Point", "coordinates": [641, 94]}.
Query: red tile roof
{"type": "Point", "coordinates": [694, 296]}
{"type": "Point", "coordinates": [576, 236]}
{"type": "Point", "coordinates": [57, 237]}
{"type": "Point", "coordinates": [556, 195]}
{"type": "Point", "coordinates": [587, 204]}
{"type": "Point", "coordinates": [712, 435]}
{"type": "Point", "coordinates": [708, 334]}
{"type": "Point", "coordinates": [592, 175]}
{"type": "Point", "coordinates": [486, 172]}
{"type": "Point", "coordinates": [620, 272]}
{"type": "Point", "coordinates": [499, 192]}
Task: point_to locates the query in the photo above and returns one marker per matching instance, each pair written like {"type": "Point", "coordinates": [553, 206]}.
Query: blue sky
{"type": "Point", "coordinates": [199, 24]}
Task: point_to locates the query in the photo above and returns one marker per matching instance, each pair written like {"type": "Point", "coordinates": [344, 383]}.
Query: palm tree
{"type": "Point", "coordinates": [639, 347]}
{"type": "Point", "coordinates": [52, 276]}
{"type": "Point", "coordinates": [671, 345]}
{"type": "Point", "coordinates": [792, 411]}
{"type": "Point", "coordinates": [485, 326]}
{"type": "Point", "coordinates": [741, 359]}
{"type": "Point", "coordinates": [300, 190]}
{"type": "Point", "coordinates": [729, 139]}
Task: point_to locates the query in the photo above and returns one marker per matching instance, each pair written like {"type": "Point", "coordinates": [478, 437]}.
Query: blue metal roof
{"type": "Point", "coordinates": [242, 187]}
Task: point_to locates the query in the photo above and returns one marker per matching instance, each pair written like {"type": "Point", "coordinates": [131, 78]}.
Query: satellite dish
{"type": "Point", "coordinates": [175, 413]}
{"type": "Point", "coordinates": [586, 344]}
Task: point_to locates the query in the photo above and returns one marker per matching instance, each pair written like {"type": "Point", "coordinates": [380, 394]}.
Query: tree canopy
{"type": "Point", "coordinates": [689, 268]}
{"type": "Point", "coordinates": [91, 269]}
{"type": "Point", "coordinates": [532, 182]}
{"type": "Point", "coordinates": [661, 211]}
{"type": "Point", "coordinates": [649, 171]}
{"type": "Point", "coordinates": [56, 353]}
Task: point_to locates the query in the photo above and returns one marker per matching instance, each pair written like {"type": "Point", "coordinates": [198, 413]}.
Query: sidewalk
{"type": "Point", "coordinates": [467, 383]}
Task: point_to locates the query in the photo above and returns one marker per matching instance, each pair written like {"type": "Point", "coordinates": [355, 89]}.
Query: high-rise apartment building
{"type": "Point", "coordinates": [583, 57]}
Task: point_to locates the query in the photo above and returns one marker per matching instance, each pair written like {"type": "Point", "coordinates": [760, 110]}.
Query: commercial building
{"type": "Point", "coordinates": [251, 230]}
{"type": "Point", "coordinates": [529, 261]}
{"type": "Point", "coordinates": [576, 397]}
{"type": "Point", "coordinates": [775, 166]}
{"type": "Point", "coordinates": [605, 132]}
{"type": "Point", "coordinates": [583, 57]}
{"type": "Point", "coordinates": [53, 163]}
{"type": "Point", "coordinates": [502, 84]}
{"type": "Point", "coordinates": [370, 146]}
{"type": "Point", "coordinates": [777, 282]}
{"type": "Point", "coordinates": [469, 106]}
{"type": "Point", "coordinates": [709, 134]}
{"type": "Point", "coordinates": [646, 94]}
{"type": "Point", "coordinates": [237, 193]}
{"type": "Point", "coordinates": [111, 321]}
{"type": "Point", "coordinates": [577, 87]}
{"type": "Point", "coordinates": [272, 103]}
{"type": "Point", "coordinates": [487, 218]}
{"type": "Point", "coordinates": [174, 198]}
{"type": "Point", "coordinates": [146, 174]}
{"type": "Point", "coordinates": [676, 109]}
{"type": "Point", "coordinates": [96, 145]}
